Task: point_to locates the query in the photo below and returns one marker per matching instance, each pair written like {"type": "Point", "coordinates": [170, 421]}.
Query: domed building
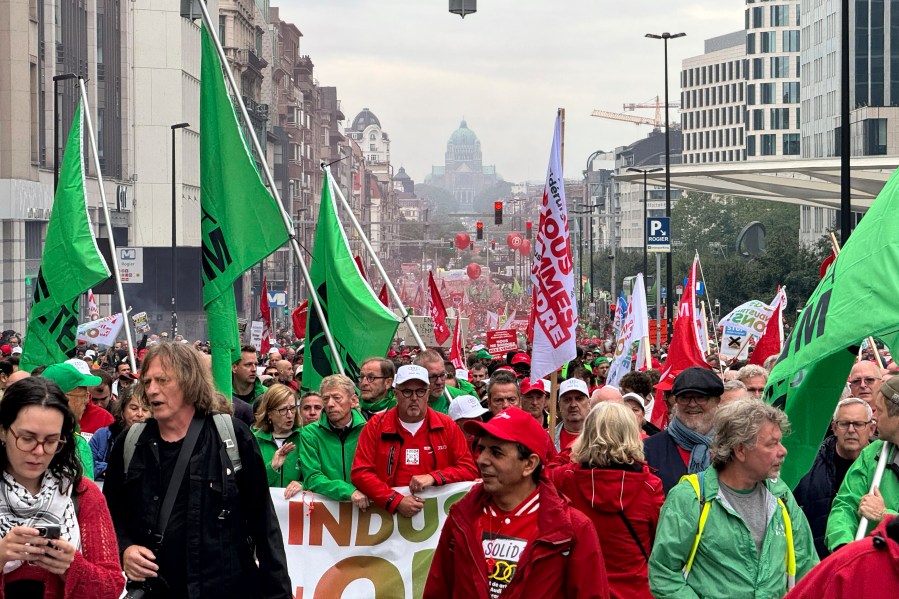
{"type": "Point", "coordinates": [374, 143]}
{"type": "Point", "coordinates": [464, 173]}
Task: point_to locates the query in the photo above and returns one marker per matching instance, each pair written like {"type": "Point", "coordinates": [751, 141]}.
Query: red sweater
{"type": "Point", "coordinates": [95, 571]}
{"type": "Point", "coordinates": [441, 452]}
{"type": "Point", "coordinates": [93, 419]}
{"type": "Point", "coordinates": [564, 560]}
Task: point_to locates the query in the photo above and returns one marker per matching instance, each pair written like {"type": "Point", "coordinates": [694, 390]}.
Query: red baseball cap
{"type": "Point", "coordinates": [514, 425]}
{"type": "Point", "coordinates": [527, 385]}
{"type": "Point", "coordinates": [521, 358]}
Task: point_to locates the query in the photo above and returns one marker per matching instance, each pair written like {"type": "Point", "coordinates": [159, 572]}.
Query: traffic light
{"type": "Point", "coordinates": [497, 213]}
{"type": "Point", "coordinates": [471, 246]}
{"type": "Point", "coordinates": [480, 228]}
{"type": "Point", "coordinates": [450, 244]}
{"type": "Point", "coordinates": [493, 245]}
{"type": "Point", "coordinates": [529, 230]}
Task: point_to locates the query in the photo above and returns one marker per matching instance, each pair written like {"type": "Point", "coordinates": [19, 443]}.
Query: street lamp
{"type": "Point", "coordinates": [668, 262]}
{"type": "Point", "coordinates": [174, 229]}
{"type": "Point", "coordinates": [463, 7]}
{"type": "Point", "coordinates": [56, 125]}
{"type": "Point", "coordinates": [645, 172]}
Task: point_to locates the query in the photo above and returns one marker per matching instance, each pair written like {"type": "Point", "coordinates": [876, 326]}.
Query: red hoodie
{"type": "Point", "coordinates": [604, 495]}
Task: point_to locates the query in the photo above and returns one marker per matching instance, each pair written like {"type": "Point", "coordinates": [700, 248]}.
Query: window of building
{"type": "Point", "coordinates": [750, 95]}
{"type": "Point", "coordinates": [768, 144]}
{"type": "Point", "coordinates": [750, 43]}
{"type": "Point", "coordinates": [766, 93]}
{"type": "Point", "coordinates": [790, 144]}
{"type": "Point", "coordinates": [223, 22]}
{"type": "Point", "coordinates": [758, 68]}
{"type": "Point", "coordinates": [768, 41]}
{"type": "Point", "coordinates": [780, 15]}
{"type": "Point", "coordinates": [780, 118]}
{"type": "Point", "coordinates": [780, 67]}
{"type": "Point", "coordinates": [758, 119]}
{"type": "Point", "coordinates": [758, 16]}
{"type": "Point", "coordinates": [875, 131]}
{"type": "Point", "coordinates": [790, 92]}
{"type": "Point", "coordinates": [791, 40]}
{"type": "Point", "coordinates": [750, 145]}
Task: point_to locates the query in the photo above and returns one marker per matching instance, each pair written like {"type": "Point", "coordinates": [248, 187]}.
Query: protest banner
{"type": "Point", "coordinates": [257, 330]}
{"type": "Point", "coordinates": [634, 331]}
{"type": "Point", "coordinates": [425, 327]}
{"type": "Point", "coordinates": [747, 323]}
{"type": "Point", "coordinates": [103, 332]}
{"type": "Point", "coordinates": [334, 550]}
{"type": "Point", "coordinates": [141, 323]}
{"type": "Point", "coordinates": [502, 341]}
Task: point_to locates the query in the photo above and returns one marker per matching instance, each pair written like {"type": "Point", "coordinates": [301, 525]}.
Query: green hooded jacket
{"type": "Point", "coordinates": [290, 470]}
{"type": "Point", "coordinates": [326, 460]}
{"type": "Point", "coordinates": [842, 524]}
{"type": "Point", "coordinates": [441, 404]}
{"type": "Point", "coordinates": [727, 563]}
{"type": "Point", "coordinates": [382, 405]}
{"type": "Point", "coordinates": [85, 456]}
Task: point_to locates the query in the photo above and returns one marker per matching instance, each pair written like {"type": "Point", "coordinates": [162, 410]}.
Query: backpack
{"type": "Point", "coordinates": [223, 424]}
{"type": "Point", "coordinates": [695, 481]}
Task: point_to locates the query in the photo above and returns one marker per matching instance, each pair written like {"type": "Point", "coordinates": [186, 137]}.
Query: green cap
{"type": "Point", "coordinates": [483, 354]}
{"type": "Point", "coordinates": [68, 377]}
{"type": "Point", "coordinates": [601, 360]}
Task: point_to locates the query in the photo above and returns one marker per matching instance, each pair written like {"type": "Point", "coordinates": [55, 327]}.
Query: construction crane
{"type": "Point", "coordinates": [654, 103]}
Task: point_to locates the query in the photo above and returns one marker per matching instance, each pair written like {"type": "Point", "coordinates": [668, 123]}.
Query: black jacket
{"type": "Point", "coordinates": [661, 453]}
{"type": "Point", "coordinates": [230, 518]}
{"type": "Point", "coordinates": [816, 490]}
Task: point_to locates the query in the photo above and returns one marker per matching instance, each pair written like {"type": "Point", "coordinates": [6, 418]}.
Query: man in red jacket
{"type": "Point", "coordinates": [513, 535]}
{"type": "Point", "coordinates": [409, 444]}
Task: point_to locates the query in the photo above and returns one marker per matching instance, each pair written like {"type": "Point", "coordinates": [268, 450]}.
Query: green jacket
{"type": "Point", "coordinates": [290, 470]}
{"type": "Point", "coordinates": [85, 456]}
{"type": "Point", "coordinates": [326, 460]}
{"type": "Point", "coordinates": [466, 388]}
{"type": "Point", "coordinates": [727, 563]}
{"type": "Point", "coordinates": [441, 404]}
{"type": "Point", "coordinates": [843, 521]}
{"type": "Point", "coordinates": [381, 405]}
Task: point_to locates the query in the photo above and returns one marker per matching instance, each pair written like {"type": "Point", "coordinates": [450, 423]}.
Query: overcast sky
{"type": "Point", "coordinates": [505, 69]}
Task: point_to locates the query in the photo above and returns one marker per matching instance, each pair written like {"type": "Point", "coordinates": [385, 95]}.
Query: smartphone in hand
{"type": "Point", "coordinates": [50, 531]}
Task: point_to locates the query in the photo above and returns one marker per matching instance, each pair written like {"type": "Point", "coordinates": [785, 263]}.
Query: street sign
{"type": "Point", "coordinates": [277, 299]}
{"type": "Point", "coordinates": [659, 234]}
{"type": "Point", "coordinates": [131, 264]}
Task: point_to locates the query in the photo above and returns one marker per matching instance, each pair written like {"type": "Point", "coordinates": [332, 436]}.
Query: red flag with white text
{"type": "Point", "coordinates": [266, 343]}
{"type": "Point", "coordinates": [438, 312]}
{"type": "Point", "coordinates": [385, 299]}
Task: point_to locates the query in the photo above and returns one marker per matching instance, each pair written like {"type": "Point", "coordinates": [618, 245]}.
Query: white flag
{"type": "Point", "coordinates": [554, 309]}
{"type": "Point", "coordinates": [101, 332]}
{"type": "Point", "coordinates": [510, 321]}
{"type": "Point", "coordinates": [747, 321]}
{"type": "Point", "coordinates": [492, 321]}
{"type": "Point", "coordinates": [634, 329]}
{"type": "Point", "coordinates": [93, 312]}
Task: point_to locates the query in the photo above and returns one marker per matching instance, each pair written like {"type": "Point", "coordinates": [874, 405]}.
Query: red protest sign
{"type": "Point", "coordinates": [502, 341]}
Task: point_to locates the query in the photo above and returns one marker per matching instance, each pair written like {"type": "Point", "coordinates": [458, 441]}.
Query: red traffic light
{"type": "Point", "coordinates": [497, 213]}
{"type": "Point", "coordinates": [529, 230]}
{"type": "Point", "coordinates": [480, 229]}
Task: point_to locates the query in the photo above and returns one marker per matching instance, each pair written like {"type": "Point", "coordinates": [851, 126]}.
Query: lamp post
{"type": "Point", "coordinates": [645, 172]}
{"type": "Point", "coordinates": [174, 229]}
{"type": "Point", "coordinates": [56, 125]}
{"type": "Point", "coordinates": [668, 263]}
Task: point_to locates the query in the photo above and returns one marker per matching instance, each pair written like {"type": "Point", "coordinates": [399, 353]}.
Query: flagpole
{"type": "Point", "coordinates": [273, 187]}
{"type": "Point", "coordinates": [706, 288]}
{"type": "Point", "coordinates": [335, 190]}
{"type": "Point", "coordinates": [112, 249]}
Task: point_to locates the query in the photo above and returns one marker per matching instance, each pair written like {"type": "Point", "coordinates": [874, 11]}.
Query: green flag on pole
{"type": "Point", "coordinates": [70, 264]}
{"type": "Point", "coordinates": [241, 223]}
{"type": "Point", "coordinates": [360, 324]}
{"type": "Point", "coordinates": [848, 305]}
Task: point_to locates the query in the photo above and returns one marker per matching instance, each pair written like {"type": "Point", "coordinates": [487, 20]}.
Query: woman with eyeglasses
{"type": "Point", "coordinates": [277, 431]}
{"type": "Point", "coordinates": [56, 535]}
{"type": "Point", "coordinates": [129, 408]}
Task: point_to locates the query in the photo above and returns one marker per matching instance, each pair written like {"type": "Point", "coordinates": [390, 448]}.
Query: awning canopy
{"type": "Point", "coordinates": [810, 181]}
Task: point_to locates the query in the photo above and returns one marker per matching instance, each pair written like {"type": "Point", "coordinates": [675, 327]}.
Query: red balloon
{"type": "Point", "coordinates": [473, 271]}
{"type": "Point", "coordinates": [525, 247]}
{"type": "Point", "coordinates": [513, 240]}
{"type": "Point", "coordinates": [462, 240]}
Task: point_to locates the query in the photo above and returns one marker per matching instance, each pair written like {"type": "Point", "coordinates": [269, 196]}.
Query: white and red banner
{"type": "Point", "coordinates": [554, 309]}
{"type": "Point", "coordinates": [634, 331]}
{"type": "Point", "coordinates": [93, 312]}
{"type": "Point", "coordinates": [265, 343]}
{"type": "Point", "coordinates": [336, 550]}
{"type": "Point", "coordinates": [103, 331]}
{"type": "Point", "coordinates": [771, 342]}
{"type": "Point", "coordinates": [492, 320]}
{"type": "Point", "coordinates": [437, 311]}
{"type": "Point", "coordinates": [747, 322]}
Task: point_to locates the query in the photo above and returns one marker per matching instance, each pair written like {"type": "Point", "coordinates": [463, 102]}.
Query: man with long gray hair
{"type": "Point", "coordinates": [726, 531]}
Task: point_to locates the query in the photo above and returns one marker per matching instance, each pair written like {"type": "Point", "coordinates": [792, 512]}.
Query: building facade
{"type": "Point", "coordinates": [463, 173]}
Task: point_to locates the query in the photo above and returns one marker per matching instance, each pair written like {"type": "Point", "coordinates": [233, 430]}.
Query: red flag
{"type": "Point", "coordinates": [771, 341]}
{"type": "Point", "coordinates": [360, 267]}
{"type": "Point", "coordinates": [266, 344]}
{"type": "Point", "coordinates": [684, 351]}
{"type": "Point", "coordinates": [456, 351]}
{"type": "Point", "coordinates": [385, 299]}
{"type": "Point", "coordinates": [827, 262]}
{"type": "Point", "coordinates": [437, 312]}
{"type": "Point", "coordinates": [299, 320]}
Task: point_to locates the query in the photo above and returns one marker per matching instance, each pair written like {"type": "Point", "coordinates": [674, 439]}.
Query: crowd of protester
{"type": "Point", "coordinates": [583, 498]}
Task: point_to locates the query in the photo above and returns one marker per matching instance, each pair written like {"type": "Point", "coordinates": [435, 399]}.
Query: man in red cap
{"type": "Point", "coordinates": [513, 535]}
{"type": "Point", "coordinates": [521, 364]}
{"type": "Point", "coordinates": [534, 395]}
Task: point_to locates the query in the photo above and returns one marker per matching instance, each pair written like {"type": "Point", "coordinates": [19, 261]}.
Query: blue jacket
{"type": "Point", "coordinates": [101, 446]}
{"type": "Point", "coordinates": [662, 454]}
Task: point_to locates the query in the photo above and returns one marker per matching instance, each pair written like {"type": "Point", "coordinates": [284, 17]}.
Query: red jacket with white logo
{"type": "Point", "coordinates": [441, 449]}
{"type": "Point", "coordinates": [564, 560]}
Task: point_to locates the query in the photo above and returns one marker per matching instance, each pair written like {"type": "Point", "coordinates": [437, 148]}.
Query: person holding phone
{"type": "Point", "coordinates": [56, 535]}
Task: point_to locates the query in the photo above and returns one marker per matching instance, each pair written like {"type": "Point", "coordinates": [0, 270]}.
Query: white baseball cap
{"type": "Point", "coordinates": [636, 398]}
{"type": "Point", "coordinates": [478, 347]}
{"type": "Point", "coordinates": [411, 372]}
{"type": "Point", "coordinates": [16, 350]}
{"type": "Point", "coordinates": [80, 365]}
{"type": "Point", "coordinates": [466, 406]}
{"type": "Point", "coordinates": [573, 385]}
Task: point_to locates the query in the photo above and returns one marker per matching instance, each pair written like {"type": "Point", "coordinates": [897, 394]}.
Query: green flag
{"type": "Point", "coordinates": [360, 324]}
{"type": "Point", "coordinates": [856, 298]}
{"type": "Point", "coordinates": [70, 264]}
{"type": "Point", "coordinates": [516, 288]}
{"type": "Point", "coordinates": [241, 223]}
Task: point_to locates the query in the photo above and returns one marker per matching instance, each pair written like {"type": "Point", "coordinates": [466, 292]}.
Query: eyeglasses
{"type": "Point", "coordinates": [437, 377]}
{"type": "Point", "coordinates": [285, 410]}
{"type": "Point", "coordinates": [26, 443]}
{"type": "Point", "coordinates": [370, 378]}
{"type": "Point", "coordinates": [684, 400]}
{"type": "Point", "coordinates": [408, 393]}
{"type": "Point", "coordinates": [868, 381]}
{"type": "Point", "coordinates": [844, 425]}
